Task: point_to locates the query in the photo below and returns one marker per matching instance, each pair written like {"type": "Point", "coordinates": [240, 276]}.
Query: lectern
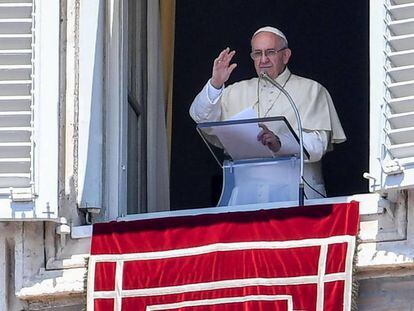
{"type": "Point", "coordinates": [252, 173]}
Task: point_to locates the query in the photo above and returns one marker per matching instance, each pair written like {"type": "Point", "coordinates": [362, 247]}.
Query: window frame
{"type": "Point", "coordinates": [115, 162]}
{"type": "Point", "coordinates": [377, 89]}
{"type": "Point", "coordinates": [116, 109]}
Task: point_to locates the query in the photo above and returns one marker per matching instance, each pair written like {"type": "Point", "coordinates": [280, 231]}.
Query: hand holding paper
{"type": "Point", "coordinates": [254, 140]}
{"type": "Point", "coordinates": [268, 138]}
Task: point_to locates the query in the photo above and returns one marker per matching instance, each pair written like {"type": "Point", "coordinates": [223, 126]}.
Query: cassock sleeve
{"type": "Point", "coordinates": [206, 107]}
{"type": "Point", "coordinates": [315, 142]}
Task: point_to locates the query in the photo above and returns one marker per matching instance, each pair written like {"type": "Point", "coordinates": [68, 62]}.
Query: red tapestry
{"type": "Point", "coordinates": [280, 259]}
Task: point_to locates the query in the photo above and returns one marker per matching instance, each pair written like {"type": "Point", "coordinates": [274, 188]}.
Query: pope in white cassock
{"type": "Point", "coordinates": [270, 54]}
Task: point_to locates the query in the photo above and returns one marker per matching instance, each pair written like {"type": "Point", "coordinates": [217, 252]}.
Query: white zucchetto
{"type": "Point", "coordinates": [271, 29]}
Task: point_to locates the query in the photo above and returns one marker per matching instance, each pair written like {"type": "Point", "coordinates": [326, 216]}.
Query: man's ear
{"type": "Point", "coordinates": [286, 55]}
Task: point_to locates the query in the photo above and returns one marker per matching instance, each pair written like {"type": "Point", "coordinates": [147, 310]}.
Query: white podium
{"type": "Point", "coordinates": [252, 173]}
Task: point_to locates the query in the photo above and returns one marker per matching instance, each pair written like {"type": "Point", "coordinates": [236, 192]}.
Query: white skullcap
{"type": "Point", "coordinates": [271, 29]}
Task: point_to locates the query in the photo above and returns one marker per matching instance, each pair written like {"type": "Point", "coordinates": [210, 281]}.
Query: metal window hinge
{"type": "Point", "coordinates": [89, 212]}
{"type": "Point", "coordinates": [392, 167]}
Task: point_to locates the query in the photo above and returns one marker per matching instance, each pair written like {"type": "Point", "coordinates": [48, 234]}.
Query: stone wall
{"type": "Point", "coordinates": [387, 294]}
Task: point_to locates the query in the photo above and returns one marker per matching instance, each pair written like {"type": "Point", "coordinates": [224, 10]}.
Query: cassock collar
{"type": "Point", "coordinates": [283, 77]}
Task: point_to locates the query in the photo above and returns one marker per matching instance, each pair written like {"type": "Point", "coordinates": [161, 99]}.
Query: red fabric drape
{"type": "Point", "coordinates": [276, 259]}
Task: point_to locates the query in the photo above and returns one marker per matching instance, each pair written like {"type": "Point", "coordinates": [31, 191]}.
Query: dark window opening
{"type": "Point", "coordinates": [330, 44]}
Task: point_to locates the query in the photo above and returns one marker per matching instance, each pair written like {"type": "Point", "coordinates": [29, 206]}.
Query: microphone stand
{"type": "Point", "coordinates": [265, 76]}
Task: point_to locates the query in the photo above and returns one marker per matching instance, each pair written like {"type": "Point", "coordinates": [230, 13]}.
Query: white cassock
{"type": "Point", "coordinates": [320, 121]}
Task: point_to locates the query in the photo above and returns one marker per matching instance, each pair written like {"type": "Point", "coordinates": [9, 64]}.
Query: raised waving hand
{"type": "Point", "coordinates": [222, 68]}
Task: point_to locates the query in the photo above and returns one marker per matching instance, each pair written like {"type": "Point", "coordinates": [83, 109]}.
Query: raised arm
{"type": "Point", "coordinates": [205, 106]}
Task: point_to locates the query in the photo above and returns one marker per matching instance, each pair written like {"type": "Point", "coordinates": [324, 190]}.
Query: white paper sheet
{"type": "Point", "coordinates": [240, 140]}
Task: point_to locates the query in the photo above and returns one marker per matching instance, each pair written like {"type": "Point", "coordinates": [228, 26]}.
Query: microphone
{"type": "Point", "coordinates": [263, 75]}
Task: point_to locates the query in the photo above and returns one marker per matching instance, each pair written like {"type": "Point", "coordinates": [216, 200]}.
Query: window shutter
{"type": "Point", "coordinates": [29, 101]}
{"type": "Point", "coordinates": [16, 113]}
{"type": "Point", "coordinates": [395, 154]}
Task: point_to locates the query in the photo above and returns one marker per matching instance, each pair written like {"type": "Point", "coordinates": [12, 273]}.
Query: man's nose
{"type": "Point", "coordinates": [264, 58]}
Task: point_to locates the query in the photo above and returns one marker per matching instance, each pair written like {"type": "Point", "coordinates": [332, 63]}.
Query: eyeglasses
{"type": "Point", "coordinates": [268, 53]}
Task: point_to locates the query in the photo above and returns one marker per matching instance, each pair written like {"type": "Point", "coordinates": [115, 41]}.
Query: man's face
{"type": "Point", "coordinates": [272, 64]}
